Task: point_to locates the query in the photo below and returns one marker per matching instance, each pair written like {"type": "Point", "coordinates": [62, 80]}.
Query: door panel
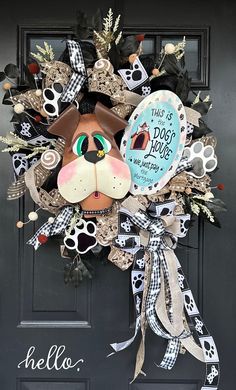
{"type": "Point", "coordinates": [165, 386]}
{"type": "Point", "coordinates": [51, 385]}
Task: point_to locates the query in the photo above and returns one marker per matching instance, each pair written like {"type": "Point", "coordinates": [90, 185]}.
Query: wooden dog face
{"type": "Point", "coordinates": [93, 172]}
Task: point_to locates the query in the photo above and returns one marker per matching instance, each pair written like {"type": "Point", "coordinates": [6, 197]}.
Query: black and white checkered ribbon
{"type": "Point", "coordinates": [160, 238]}
{"type": "Point", "coordinates": [52, 229]}
{"type": "Point", "coordinates": [158, 242]}
{"type": "Point", "coordinates": [79, 74]}
{"type": "Point", "coordinates": [184, 165]}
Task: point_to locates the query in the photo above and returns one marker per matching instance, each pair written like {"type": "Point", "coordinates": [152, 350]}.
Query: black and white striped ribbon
{"type": "Point", "coordinates": [52, 229]}
{"type": "Point", "coordinates": [79, 74]}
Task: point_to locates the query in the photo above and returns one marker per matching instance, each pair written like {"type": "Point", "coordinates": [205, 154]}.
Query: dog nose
{"type": "Point", "coordinates": [94, 156]}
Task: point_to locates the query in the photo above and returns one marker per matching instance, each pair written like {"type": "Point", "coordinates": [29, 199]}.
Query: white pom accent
{"type": "Point", "coordinates": [19, 108]}
{"type": "Point", "coordinates": [169, 48]}
{"type": "Point", "coordinates": [33, 216]}
{"type": "Point", "coordinates": [51, 220]}
{"type": "Point", "coordinates": [38, 92]}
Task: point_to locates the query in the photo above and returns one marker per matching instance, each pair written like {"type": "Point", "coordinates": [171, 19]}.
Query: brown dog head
{"type": "Point", "coordinates": [93, 172]}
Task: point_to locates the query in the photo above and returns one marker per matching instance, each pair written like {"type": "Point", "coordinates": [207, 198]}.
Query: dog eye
{"type": "Point", "coordinates": [102, 143]}
{"type": "Point", "coordinates": [80, 146]}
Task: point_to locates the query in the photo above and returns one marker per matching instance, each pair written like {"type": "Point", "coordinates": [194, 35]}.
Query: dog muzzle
{"type": "Point", "coordinates": [83, 176]}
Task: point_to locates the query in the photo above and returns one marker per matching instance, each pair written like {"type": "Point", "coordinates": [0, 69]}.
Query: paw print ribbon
{"type": "Point", "coordinates": [158, 230]}
{"type": "Point", "coordinates": [79, 72]}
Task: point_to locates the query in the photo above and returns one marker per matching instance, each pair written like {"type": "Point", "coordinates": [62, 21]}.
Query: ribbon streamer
{"type": "Point", "coordinates": [51, 229]}
{"type": "Point", "coordinates": [159, 230]}
{"type": "Point", "coordinates": [79, 75]}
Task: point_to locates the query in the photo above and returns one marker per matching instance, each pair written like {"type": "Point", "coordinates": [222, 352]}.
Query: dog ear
{"type": "Point", "coordinates": [65, 125]}
{"type": "Point", "coordinates": [108, 120]}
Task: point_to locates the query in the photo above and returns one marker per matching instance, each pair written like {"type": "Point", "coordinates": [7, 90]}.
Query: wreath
{"type": "Point", "coordinates": [129, 196]}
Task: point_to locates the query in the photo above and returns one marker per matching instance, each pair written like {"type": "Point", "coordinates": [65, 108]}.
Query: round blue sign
{"type": "Point", "coordinates": [154, 140]}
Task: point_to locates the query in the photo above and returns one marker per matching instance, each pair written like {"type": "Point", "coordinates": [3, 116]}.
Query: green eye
{"type": "Point", "coordinates": [80, 146]}
{"type": "Point", "coordinates": [102, 143]}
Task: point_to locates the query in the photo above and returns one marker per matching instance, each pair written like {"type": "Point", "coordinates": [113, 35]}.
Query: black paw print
{"type": "Point", "coordinates": [179, 107]}
{"type": "Point", "coordinates": [189, 302]}
{"type": "Point", "coordinates": [82, 237]}
{"type": "Point", "coordinates": [209, 349]}
{"type": "Point", "coordinates": [136, 74]}
{"type": "Point", "coordinates": [138, 280]}
{"type": "Point", "coordinates": [166, 211]}
{"type": "Point", "coordinates": [184, 225]}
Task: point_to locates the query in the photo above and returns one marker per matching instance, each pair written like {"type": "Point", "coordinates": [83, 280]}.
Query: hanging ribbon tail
{"type": "Point", "coordinates": [171, 354]}
{"type": "Point", "coordinates": [125, 344]}
{"type": "Point", "coordinates": [207, 343]}
{"type": "Point", "coordinates": [51, 229]}
{"type": "Point", "coordinates": [168, 291]}
{"type": "Point", "coordinates": [140, 357]}
{"type": "Point", "coordinates": [137, 282]}
{"type": "Point", "coordinates": [79, 75]}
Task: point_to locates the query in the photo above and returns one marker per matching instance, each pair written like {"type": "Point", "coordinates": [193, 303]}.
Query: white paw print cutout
{"type": "Point", "coordinates": [20, 163]}
{"type": "Point", "coordinates": [25, 127]}
{"type": "Point", "coordinates": [137, 281]}
{"type": "Point", "coordinates": [212, 375]}
{"type": "Point", "coordinates": [199, 325]}
{"type": "Point", "coordinates": [126, 225]}
{"type": "Point", "coordinates": [140, 263]}
{"type": "Point", "coordinates": [184, 221]}
{"type": "Point", "coordinates": [202, 158]}
{"type": "Point", "coordinates": [82, 237]}
{"type": "Point", "coordinates": [51, 97]}
{"type": "Point", "coordinates": [190, 304]}
{"type": "Point", "coordinates": [120, 242]}
{"type": "Point", "coordinates": [146, 90]}
{"type": "Point", "coordinates": [209, 349]}
{"type": "Point", "coordinates": [181, 280]}
{"type": "Point", "coordinates": [137, 304]}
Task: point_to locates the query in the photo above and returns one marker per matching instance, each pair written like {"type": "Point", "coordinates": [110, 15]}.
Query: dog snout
{"type": "Point", "coordinates": [94, 156]}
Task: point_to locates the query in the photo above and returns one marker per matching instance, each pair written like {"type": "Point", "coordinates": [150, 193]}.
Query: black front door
{"type": "Point", "coordinates": [56, 337]}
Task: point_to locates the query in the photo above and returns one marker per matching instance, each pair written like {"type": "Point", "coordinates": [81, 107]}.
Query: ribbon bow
{"type": "Point", "coordinates": [156, 231]}
{"type": "Point", "coordinates": [79, 72]}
